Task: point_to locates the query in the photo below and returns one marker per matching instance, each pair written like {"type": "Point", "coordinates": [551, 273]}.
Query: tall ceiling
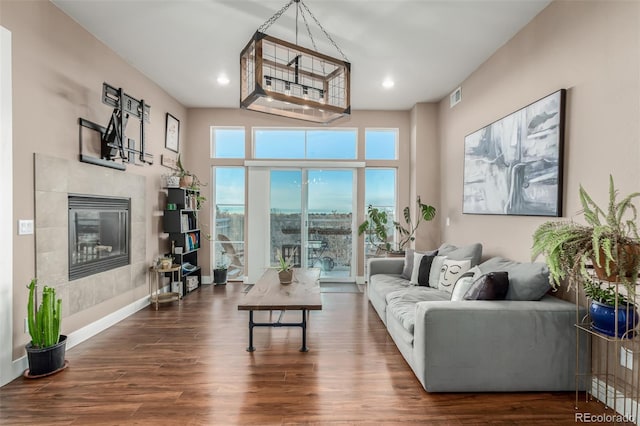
{"type": "Point", "coordinates": [426, 47]}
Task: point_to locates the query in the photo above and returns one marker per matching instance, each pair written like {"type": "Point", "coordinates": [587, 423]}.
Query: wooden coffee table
{"type": "Point", "coordinates": [303, 294]}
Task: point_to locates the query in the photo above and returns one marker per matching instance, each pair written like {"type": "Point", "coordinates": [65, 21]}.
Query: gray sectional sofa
{"type": "Point", "coordinates": [479, 345]}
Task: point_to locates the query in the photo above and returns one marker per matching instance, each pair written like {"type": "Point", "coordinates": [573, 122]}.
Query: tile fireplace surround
{"type": "Point", "coordinates": [55, 179]}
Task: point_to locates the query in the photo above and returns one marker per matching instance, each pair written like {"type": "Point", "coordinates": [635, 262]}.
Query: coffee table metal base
{"type": "Point", "coordinates": [278, 323]}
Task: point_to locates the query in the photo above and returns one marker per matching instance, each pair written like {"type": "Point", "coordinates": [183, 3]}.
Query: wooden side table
{"type": "Point", "coordinates": [155, 282]}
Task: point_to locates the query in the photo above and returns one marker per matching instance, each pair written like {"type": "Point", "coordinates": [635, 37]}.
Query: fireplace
{"type": "Point", "coordinates": [99, 234]}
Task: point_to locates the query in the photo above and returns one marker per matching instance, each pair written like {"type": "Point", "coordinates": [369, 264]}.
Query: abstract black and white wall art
{"type": "Point", "coordinates": [514, 165]}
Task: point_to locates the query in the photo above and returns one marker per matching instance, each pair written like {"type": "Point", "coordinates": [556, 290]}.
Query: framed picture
{"type": "Point", "coordinates": [172, 136]}
{"type": "Point", "coordinates": [513, 166]}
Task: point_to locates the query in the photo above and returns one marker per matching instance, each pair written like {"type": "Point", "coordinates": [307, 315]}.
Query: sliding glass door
{"type": "Point", "coordinates": [311, 219]}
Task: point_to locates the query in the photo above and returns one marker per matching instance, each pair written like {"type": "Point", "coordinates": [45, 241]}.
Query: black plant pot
{"type": "Point", "coordinates": [45, 361]}
{"type": "Point", "coordinates": [220, 276]}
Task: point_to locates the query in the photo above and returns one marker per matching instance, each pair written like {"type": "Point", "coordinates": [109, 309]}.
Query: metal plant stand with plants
{"type": "Point", "coordinates": [46, 350]}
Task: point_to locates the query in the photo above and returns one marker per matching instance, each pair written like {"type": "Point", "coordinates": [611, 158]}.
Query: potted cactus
{"type": "Point", "coordinates": [46, 350]}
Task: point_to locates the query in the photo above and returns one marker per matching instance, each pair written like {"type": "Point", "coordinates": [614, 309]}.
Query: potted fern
{"type": "Point", "coordinates": [376, 227]}
{"type": "Point", "coordinates": [609, 241]}
{"type": "Point", "coordinates": [46, 350]}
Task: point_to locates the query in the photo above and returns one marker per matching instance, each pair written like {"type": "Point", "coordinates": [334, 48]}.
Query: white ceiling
{"type": "Point", "coordinates": [427, 47]}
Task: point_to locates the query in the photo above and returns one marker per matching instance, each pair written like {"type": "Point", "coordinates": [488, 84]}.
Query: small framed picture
{"type": "Point", "coordinates": [172, 137]}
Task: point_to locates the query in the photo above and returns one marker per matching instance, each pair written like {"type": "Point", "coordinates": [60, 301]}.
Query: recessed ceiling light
{"type": "Point", "coordinates": [223, 80]}
{"type": "Point", "coordinates": [388, 83]}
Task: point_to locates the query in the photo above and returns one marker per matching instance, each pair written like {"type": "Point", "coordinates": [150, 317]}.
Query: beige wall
{"type": "Point", "coordinates": [198, 153]}
{"type": "Point", "coordinates": [425, 171]}
{"type": "Point", "coordinates": [592, 50]}
{"type": "Point", "coordinates": [58, 71]}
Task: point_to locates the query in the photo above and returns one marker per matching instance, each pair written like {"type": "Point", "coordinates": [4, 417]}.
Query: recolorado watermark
{"type": "Point", "coordinates": [603, 418]}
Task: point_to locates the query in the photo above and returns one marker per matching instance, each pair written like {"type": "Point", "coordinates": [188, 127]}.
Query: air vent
{"type": "Point", "coordinates": [455, 97]}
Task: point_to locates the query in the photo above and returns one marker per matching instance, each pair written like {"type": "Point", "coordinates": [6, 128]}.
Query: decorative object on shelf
{"type": "Point", "coordinates": [46, 350]}
{"type": "Point", "coordinates": [285, 268]}
{"type": "Point", "coordinates": [114, 144]}
{"type": "Point", "coordinates": [187, 179]}
{"type": "Point", "coordinates": [172, 133]}
{"type": "Point", "coordinates": [514, 165]}
{"type": "Point", "coordinates": [608, 241]}
{"type": "Point", "coordinates": [286, 79]}
{"type": "Point", "coordinates": [612, 314]}
{"type": "Point", "coordinates": [165, 262]}
{"type": "Point", "coordinates": [172, 181]}
{"type": "Point", "coordinates": [377, 227]}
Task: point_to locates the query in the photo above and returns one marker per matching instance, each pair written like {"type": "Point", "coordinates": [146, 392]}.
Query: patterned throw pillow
{"type": "Point", "coordinates": [450, 272]}
{"type": "Point", "coordinates": [425, 269]}
{"type": "Point", "coordinates": [464, 283]}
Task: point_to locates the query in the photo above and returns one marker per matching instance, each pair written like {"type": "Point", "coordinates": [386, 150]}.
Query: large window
{"type": "Point", "coordinates": [227, 142]}
{"type": "Point", "coordinates": [312, 144]}
{"type": "Point", "coordinates": [229, 217]}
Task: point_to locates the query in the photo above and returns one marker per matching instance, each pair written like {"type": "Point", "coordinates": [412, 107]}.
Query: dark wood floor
{"type": "Point", "coordinates": [186, 364]}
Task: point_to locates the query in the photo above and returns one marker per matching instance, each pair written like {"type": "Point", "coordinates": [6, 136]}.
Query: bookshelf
{"type": "Point", "coordinates": [180, 221]}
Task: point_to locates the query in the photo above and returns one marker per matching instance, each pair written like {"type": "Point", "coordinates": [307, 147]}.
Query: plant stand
{"type": "Point", "coordinates": [613, 376]}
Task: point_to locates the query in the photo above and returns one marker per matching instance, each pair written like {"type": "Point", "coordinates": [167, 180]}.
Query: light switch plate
{"type": "Point", "coordinates": [25, 227]}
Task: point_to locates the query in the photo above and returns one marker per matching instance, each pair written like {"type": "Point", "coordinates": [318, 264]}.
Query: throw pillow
{"type": "Point", "coordinates": [462, 286]}
{"type": "Point", "coordinates": [425, 269]}
{"type": "Point", "coordinates": [491, 286]}
{"type": "Point", "coordinates": [408, 264]}
{"type": "Point", "coordinates": [527, 281]}
{"type": "Point", "coordinates": [450, 272]}
{"type": "Point", "coordinates": [417, 257]}
{"type": "Point", "coordinates": [434, 273]}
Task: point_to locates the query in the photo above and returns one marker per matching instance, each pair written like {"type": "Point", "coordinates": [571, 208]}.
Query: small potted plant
{"type": "Point", "coordinates": [609, 307]}
{"type": "Point", "coordinates": [46, 350]}
{"type": "Point", "coordinates": [187, 179]}
{"type": "Point", "coordinates": [220, 271]}
{"type": "Point", "coordinates": [609, 241]}
{"type": "Point", "coordinates": [376, 227]}
{"type": "Point", "coordinates": [285, 268]}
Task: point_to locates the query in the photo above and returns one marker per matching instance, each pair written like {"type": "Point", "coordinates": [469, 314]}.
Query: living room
{"type": "Point", "coordinates": [57, 71]}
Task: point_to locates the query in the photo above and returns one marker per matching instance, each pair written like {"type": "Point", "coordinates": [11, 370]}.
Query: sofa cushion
{"type": "Point", "coordinates": [527, 281]}
{"type": "Point", "coordinates": [451, 271]}
{"type": "Point", "coordinates": [402, 303]}
{"type": "Point", "coordinates": [491, 286]}
{"type": "Point", "coordinates": [472, 252]}
{"type": "Point", "coordinates": [383, 284]}
{"type": "Point", "coordinates": [434, 273]}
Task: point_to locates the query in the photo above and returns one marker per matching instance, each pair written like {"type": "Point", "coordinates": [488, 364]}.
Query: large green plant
{"type": "Point", "coordinates": [569, 247]}
{"type": "Point", "coordinates": [376, 227]}
{"type": "Point", "coordinates": [44, 322]}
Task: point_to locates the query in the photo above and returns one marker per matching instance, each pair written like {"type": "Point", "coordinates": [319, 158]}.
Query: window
{"type": "Point", "coordinates": [380, 192]}
{"type": "Point", "coordinates": [325, 144]}
{"type": "Point", "coordinates": [381, 144]}
{"type": "Point", "coordinates": [229, 220]}
{"type": "Point", "coordinates": [227, 142]}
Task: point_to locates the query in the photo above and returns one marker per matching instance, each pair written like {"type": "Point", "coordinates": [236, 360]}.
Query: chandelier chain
{"type": "Point", "coordinates": [304, 18]}
{"type": "Point", "coordinates": [325, 31]}
{"type": "Point", "coordinates": [264, 27]}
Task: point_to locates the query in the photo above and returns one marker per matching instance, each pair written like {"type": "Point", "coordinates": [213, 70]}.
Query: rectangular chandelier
{"type": "Point", "coordinates": [282, 78]}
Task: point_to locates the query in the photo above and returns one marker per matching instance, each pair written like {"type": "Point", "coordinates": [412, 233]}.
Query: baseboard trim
{"type": "Point", "coordinates": [607, 394]}
{"type": "Point", "coordinates": [19, 365]}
